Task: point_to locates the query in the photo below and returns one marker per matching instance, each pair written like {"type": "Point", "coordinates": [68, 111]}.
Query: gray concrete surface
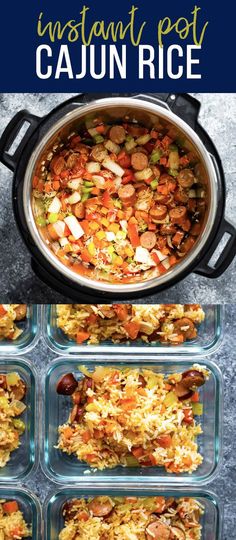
{"type": "Point", "coordinates": [225, 484]}
{"type": "Point", "coordinates": [18, 282]}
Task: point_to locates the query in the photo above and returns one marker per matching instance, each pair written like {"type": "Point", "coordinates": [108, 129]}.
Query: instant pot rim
{"type": "Point", "coordinates": [143, 287]}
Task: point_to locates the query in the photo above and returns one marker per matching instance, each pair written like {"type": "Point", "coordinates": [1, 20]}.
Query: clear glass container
{"type": "Point", "coordinates": [28, 504]}
{"type": "Point", "coordinates": [65, 469]}
{"type": "Point", "coordinates": [210, 333]}
{"type": "Point", "coordinates": [211, 520]}
{"type": "Point", "coordinates": [23, 461]}
{"type": "Point", "coordinates": [31, 327]}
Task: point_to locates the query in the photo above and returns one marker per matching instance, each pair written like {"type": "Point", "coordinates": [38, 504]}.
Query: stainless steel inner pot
{"type": "Point", "coordinates": [148, 114]}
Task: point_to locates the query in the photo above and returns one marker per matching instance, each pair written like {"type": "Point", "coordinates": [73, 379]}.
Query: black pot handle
{"type": "Point", "coordinates": [183, 105]}
{"type": "Point", "coordinates": [10, 134]}
{"type": "Point", "coordinates": [226, 257]}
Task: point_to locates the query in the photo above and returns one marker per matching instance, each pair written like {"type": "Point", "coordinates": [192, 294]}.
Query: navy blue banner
{"type": "Point", "coordinates": [121, 46]}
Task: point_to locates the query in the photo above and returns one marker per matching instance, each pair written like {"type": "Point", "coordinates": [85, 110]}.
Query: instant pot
{"type": "Point", "coordinates": [178, 110]}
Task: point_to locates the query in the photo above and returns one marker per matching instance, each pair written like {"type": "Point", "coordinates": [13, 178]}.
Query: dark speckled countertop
{"type": "Point", "coordinates": [224, 484]}
{"type": "Point", "coordinates": [18, 282]}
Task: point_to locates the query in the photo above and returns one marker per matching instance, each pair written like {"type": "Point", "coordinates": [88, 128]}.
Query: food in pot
{"type": "Point", "coordinates": [164, 323]}
{"type": "Point", "coordinates": [123, 518]}
{"type": "Point", "coordinates": [12, 523]}
{"type": "Point", "coordinates": [133, 417]}
{"type": "Point", "coordinates": [12, 392]}
{"type": "Point", "coordinates": [120, 203]}
{"type": "Point", "coordinates": [9, 315]}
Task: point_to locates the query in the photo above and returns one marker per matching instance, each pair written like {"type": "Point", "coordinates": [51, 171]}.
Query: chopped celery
{"type": "Point", "coordinates": [131, 461]}
{"type": "Point", "coordinates": [3, 402]}
{"type": "Point", "coordinates": [154, 183]}
{"type": "Point", "coordinates": [12, 379]}
{"type": "Point", "coordinates": [98, 139]}
{"type": "Point", "coordinates": [117, 203]}
{"type": "Point", "coordinates": [19, 425]}
{"type": "Point", "coordinates": [197, 409]}
{"type": "Point", "coordinates": [173, 172]}
{"type": "Point", "coordinates": [129, 138]}
{"type": "Point", "coordinates": [110, 250]}
{"type": "Point", "coordinates": [155, 156]}
{"type": "Point", "coordinates": [86, 189]}
{"type": "Point", "coordinates": [88, 184]}
{"type": "Point", "coordinates": [52, 218]}
{"type": "Point", "coordinates": [173, 148]}
{"type": "Point", "coordinates": [85, 196]}
{"type": "Point", "coordinates": [170, 399]}
{"type": "Point", "coordinates": [41, 221]}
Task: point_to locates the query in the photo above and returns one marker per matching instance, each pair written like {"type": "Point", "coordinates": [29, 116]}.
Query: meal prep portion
{"type": "Point", "coordinates": [133, 417]}
{"type": "Point", "coordinates": [12, 392]}
{"type": "Point", "coordinates": [12, 523]}
{"type": "Point", "coordinates": [132, 518]}
{"type": "Point", "coordinates": [120, 203]}
{"type": "Point", "coordinates": [10, 314]}
{"type": "Point", "coordinates": [164, 323]}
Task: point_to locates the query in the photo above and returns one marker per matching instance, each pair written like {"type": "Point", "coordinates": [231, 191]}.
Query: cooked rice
{"type": "Point", "coordinates": [156, 323]}
{"type": "Point", "coordinates": [131, 517]}
{"type": "Point", "coordinates": [8, 327]}
{"type": "Point", "coordinates": [13, 526]}
{"type": "Point", "coordinates": [11, 427]}
{"type": "Point", "coordinates": [120, 419]}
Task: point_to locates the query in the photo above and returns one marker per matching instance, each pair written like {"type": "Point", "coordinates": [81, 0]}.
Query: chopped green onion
{"type": "Point", "coordinates": [86, 189]}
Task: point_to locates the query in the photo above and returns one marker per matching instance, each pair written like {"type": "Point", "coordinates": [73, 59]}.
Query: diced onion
{"type": "Point", "coordinates": [55, 206]}
{"type": "Point", "coordinates": [74, 183]}
{"type": "Point", "coordinates": [74, 226]}
{"type": "Point", "coordinates": [144, 174]}
{"type": "Point", "coordinates": [59, 228]}
{"type": "Point", "coordinates": [74, 198]}
{"type": "Point", "coordinates": [93, 166]}
{"type": "Point", "coordinates": [112, 147]}
{"type": "Point", "coordinates": [113, 167]}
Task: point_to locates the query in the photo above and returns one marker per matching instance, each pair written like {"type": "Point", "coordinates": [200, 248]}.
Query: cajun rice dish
{"type": "Point", "coordinates": [120, 203]}
{"type": "Point", "coordinates": [12, 523]}
{"type": "Point", "coordinates": [9, 315]}
{"type": "Point", "coordinates": [165, 323]}
{"type": "Point", "coordinates": [133, 417]}
{"type": "Point", "coordinates": [132, 518]}
{"type": "Point", "coordinates": [12, 392]}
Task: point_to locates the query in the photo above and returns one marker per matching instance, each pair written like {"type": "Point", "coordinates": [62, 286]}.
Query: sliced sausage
{"type": "Point", "coordinates": [181, 195]}
{"type": "Point", "coordinates": [148, 240]}
{"type": "Point", "coordinates": [168, 228]}
{"type": "Point", "coordinates": [178, 214]}
{"type": "Point", "coordinates": [3, 381]}
{"type": "Point", "coordinates": [117, 134]}
{"type": "Point", "coordinates": [187, 244]}
{"type": "Point", "coordinates": [67, 385]}
{"type": "Point", "coordinates": [157, 531]}
{"type": "Point", "coordinates": [98, 153]}
{"type": "Point", "coordinates": [78, 210]}
{"type": "Point", "coordinates": [182, 392]}
{"type": "Point", "coordinates": [139, 161]}
{"type": "Point", "coordinates": [142, 381]}
{"type": "Point", "coordinates": [186, 327]}
{"type": "Point", "coordinates": [185, 178]}
{"type": "Point", "coordinates": [70, 509]}
{"type": "Point", "coordinates": [127, 195]}
{"type": "Point", "coordinates": [20, 312]}
{"type": "Point", "coordinates": [57, 165]}
{"type": "Point", "coordinates": [158, 212]}
{"type": "Point", "coordinates": [192, 378]}
{"type": "Point", "coordinates": [101, 506]}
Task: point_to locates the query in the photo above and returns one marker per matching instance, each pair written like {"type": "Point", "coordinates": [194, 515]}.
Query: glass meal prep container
{"type": "Point", "coordinates": [28, 504]}
{"type": "Point", "coordinates": [211, 521]}
{"type": "Point", "coordinates": [210, 333]}
{"type": "Point", "coordinates": [23, 460]}
{"type": "Point", "coordinates": [65, 469]}
{"type": "Point", "coordinates": [29, 337]}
